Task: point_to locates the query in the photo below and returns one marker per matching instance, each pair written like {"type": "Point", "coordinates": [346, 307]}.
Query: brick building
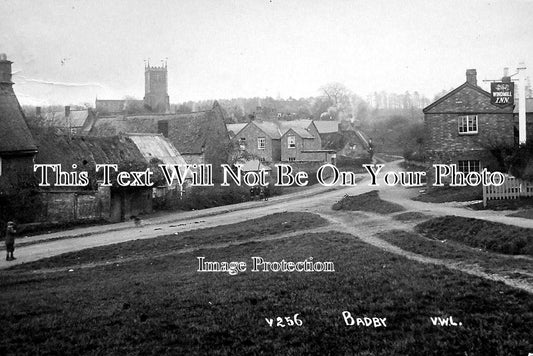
{"type": "Point", "coordinates": [281, 141]}
{"type": "Point", "coordinates": [462, 125]}
{"type": "Point", "coordinates": [17, 147]}
{"type": "Point", "coordinates": [261, 139]}
{"type": "Point", "coordinates": [298, 144]}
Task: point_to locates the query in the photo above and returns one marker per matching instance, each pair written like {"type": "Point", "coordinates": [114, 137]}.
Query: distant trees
{"type": "Point", "coordinates": [338, 97]}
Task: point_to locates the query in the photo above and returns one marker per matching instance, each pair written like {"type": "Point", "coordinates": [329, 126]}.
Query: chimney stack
{"type": "Point", "coordinates": [67, 111]}
{"type": "Point", "coordinates": [5, 70]}
{"type": "Point", "coordinates": [471, 76]}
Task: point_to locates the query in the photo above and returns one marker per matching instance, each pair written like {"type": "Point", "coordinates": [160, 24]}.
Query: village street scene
{"type": "Point", "coordinates": [267, 177]}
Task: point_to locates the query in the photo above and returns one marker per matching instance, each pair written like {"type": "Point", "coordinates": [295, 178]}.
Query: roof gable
{"type": "Point", "coordinates": [303, 133]}
{"type": "Point", "coordinates": [234, 129]}
{"type": "Point", "coordinates": [465, 98]}
{"type": "Point", "coordinates": [269, 128]}
{"type": "Point", "coordinates": [15, 136]}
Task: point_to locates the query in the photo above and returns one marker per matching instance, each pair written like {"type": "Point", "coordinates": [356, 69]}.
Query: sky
{"type": "Point", "coordinates": [72, 51]}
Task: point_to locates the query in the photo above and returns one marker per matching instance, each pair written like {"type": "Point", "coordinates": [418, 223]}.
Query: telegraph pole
{"type": "Point", "coordinates": [521, 74]}
{"type": "Point", "coordinates": [521, 103]}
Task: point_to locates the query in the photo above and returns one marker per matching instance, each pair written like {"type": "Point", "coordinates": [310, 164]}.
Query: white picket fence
{"type": "Point", "coordinates": [513, 188]}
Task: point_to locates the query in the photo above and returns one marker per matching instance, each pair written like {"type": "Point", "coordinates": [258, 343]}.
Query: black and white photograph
{"type": "Point", "coordinates": [266, 177]}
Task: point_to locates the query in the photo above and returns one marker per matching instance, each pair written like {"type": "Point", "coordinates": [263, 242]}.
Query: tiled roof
{"type": "Point", "coordinates": [286, 125]}
{"type": "Point", "coordinates": [270, 128]}
{"type": "Point", "coordinates": [303, 133]}
{"type": "Point", "coordinates": [156, 146]}
{"type": "Point", "coordinates": [326, 126]}
{"type": "Point", "coordinates": [14, 133]}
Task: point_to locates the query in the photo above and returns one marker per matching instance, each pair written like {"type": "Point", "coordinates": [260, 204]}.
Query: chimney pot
{"type": "Point", "coordinates": [471, 76]}
{"type": "Point", "coordinates": [38, 111]}
{"type": "Point", "coordinates": [5, 69]}
{"type": "Point", "coordinates": [67, 111]}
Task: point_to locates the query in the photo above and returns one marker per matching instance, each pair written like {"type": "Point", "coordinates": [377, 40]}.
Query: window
{"type": "Point", "coordinates": [292, 141]}
{"type": "Point", "coordinates": [467, 124]}
{"type": "Point", "coordinates": [262, 159]}
{"type": "Point", "coordinates": [242, 143]}
{"type": "Point", "coordinates": [292, 159]}
{"type": "Point", "coordinates": [261, 141]}
{"type": "Point", "coordinates": [162, 128]}
{"type": "Point", "coordinates": [0, 166]}
{"type": "Point", "coordinates": [468, 166]}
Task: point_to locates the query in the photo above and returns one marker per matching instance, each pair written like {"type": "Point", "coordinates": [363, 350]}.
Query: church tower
{"type": "Point", "coordinates": [156, 88]}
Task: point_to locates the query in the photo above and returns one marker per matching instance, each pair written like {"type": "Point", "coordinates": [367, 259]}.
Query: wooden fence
{"type": "Point", "coordinates": [513, 188]}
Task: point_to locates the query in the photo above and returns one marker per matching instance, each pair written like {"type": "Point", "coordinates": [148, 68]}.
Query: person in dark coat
{"type": "Point", "coordinates": [252, 193]}
{"type": "Point", "coordinates": [10, 241]}
{"type": "Point", "coordinates": [267, 191]}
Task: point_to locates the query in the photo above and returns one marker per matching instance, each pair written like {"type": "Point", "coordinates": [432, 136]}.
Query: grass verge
{"type": "Point", "coordinates": [370, 202]}
{"type": "Point", "coordinates": [450, 250]}
{"type": "Point", "coordinates": [488, 235]}
{"type": "Point", "coordinates": [411, 215]}
{"type": "Point", "coordinates": [163, 306]}
{"type": "Point", "coordinates": [448, 194]}
{"type": "Point", "coordinates": [278, 223]}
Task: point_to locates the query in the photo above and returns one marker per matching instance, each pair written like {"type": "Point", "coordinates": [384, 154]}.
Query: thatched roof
{"type": "Point", "coordinates": [84, 151]}
{"type": "Point", "coordinates": [77, 118]}
{"type": "Point", "coordinates": [188, 132]}
{"type": "Point", "coordinates": [15, 137]}
{"type": "Point", "coordinates": [338, 140]}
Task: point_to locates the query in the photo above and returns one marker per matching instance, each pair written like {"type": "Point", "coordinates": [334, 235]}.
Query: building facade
{"type": "Point", "coordinates": [463, 125]}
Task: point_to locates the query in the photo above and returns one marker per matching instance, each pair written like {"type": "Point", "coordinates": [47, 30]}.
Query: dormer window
{"type": "Point", "coordinates": [467, 124]}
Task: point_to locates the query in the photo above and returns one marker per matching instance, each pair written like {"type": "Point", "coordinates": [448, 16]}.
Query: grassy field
{"type": "Point", "coordinates": [264, 226]}
{"type": "Point", "coordinates": [162, 305]}
{"type": "Point", "coordinates": [484, 234]}
{"type": "Point", "coordinates": [370, 202]}
{"type": "Point", "coordinates": [448, 194]}
{"type": "Point", "coordinates": [453, 251]}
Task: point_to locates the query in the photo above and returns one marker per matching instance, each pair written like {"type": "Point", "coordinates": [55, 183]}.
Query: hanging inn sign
{"type": "Point", "coordinates": [502, 94]}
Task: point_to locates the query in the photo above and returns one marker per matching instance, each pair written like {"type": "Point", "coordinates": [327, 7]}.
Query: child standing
{"type": "Point", "coordinates": [10, 241]}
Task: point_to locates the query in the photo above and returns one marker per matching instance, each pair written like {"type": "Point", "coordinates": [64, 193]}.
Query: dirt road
{"type": "Point", "coordinates": [315, 200]}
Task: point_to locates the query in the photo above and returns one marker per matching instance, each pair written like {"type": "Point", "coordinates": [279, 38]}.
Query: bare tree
{"type": "Point", "coordinates": [339, 98]}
